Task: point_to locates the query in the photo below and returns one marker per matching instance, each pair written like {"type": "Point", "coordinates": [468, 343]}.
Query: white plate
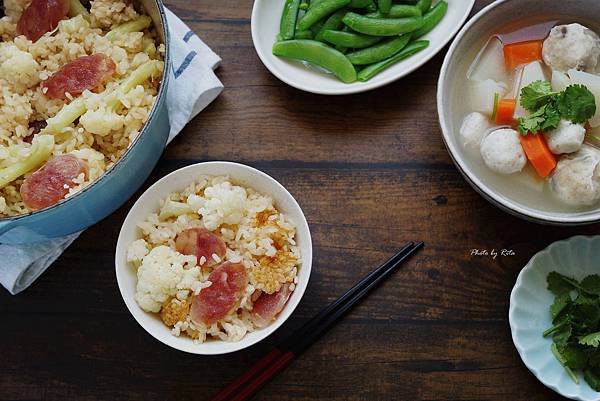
{"type": "Point", "coordinates": [178, 181]}
{"type": "Point", "coordinates": [529, 313]}
{"type": "Point", "coordinates": [266, 15]}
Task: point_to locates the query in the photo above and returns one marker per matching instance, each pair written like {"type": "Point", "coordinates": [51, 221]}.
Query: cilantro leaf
{"type": "Point", "coordinates": [563, 360]}
{"type": "Point", "coordinates": [577, 103]}
{"type": "Point", "coordinates": [592, 377]}
{"type": "Point", "coordinates": [592, 340]}
{"type": "Point", "coordinates": [562, 335]}
{"type": "Point", "coordinates": [552, 118]}
{"type": "Point", "coordinates": [591, 284]}
{"type": "Point", "coordinates": [536, 95]}
{"type": "Point", "coordinates": [560, 303]}
{"type": "Point", "coordinates": [559, 284]}
{"type": "Point", "coordinates": [546, 118]}
{"type": "Point", "coordinates": [576, 332]}
{"type": "Point", "coordinates": [532, 123]}
{"type": "Point", "coordinates": [594, 357]}
{"type": "Point", "coordinates": [584, 298]}
{"type": "Point", "coordinates": [586, 316]}
{"type": "Point", "coordinates": [574, 357]}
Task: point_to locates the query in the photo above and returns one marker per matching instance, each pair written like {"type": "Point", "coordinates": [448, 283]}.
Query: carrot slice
{"type": "Point", "coordinates": [538, 153]}
{"type": "Point", "coordinates": [505, 111]}
{"type": "Point", "coordinates": [516, 54]}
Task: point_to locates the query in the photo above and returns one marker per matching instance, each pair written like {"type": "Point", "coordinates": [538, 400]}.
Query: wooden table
{"type": "Point", "coordinates": [371, 172]}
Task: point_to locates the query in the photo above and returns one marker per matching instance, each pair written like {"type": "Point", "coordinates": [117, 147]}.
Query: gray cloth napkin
{"type": "Point", "coordinates": [193, 86]}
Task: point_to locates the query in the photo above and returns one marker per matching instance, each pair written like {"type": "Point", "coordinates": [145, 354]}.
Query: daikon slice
{"type": "Point", "coordinates": [489, 63]}
{"type": "Point", "coordinates": [481, 94]}
{"type": "Point", "coordinates": [560, 81]}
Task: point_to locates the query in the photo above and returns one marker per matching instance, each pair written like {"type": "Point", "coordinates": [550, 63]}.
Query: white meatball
{"type": "Point", "coordinates": [576, 180]}
{"type": "Point", "coordinates": [502, 151]}
{"type": "Point", "coordinates": [472, 130]}
{"type": "Point", "coordinates": [566, 138]}
{"type": "Point", "coordinates": [572, 46]}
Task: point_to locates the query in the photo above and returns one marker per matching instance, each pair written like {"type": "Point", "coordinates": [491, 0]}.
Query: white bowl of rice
{"type": "Point", "coordinates": [218, 221]}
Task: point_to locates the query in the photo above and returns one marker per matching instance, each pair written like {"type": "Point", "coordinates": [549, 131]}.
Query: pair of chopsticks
{"type": "Point", "coordinates": [279, 358]}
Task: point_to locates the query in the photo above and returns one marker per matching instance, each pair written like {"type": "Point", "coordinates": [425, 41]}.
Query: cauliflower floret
{"type": "Point", "coordinates": [566, 138]}
{"type": "Point", "coordinates": [18, 67]}
{"type": "Point", "coordinates": [572, 46]}
{"type": "Point", "coordinates": [502, 151]}
{"type": "Point", "coordinates": [162, 275]}
{"type": "Point", "coordinates": [101, 121]}
{"type": "Point", "coordinates": [223, 203]}
{"type": "Point", "coordinates": [137, 251]}
{"type": "Point", "coordinates": [73, 25]}
{"type": "Point", "coordinates": [576, 180]}
{"type": "Point", "coordinates": [473, 130]}
{"type": "Point", "coordinates": [2, 205]}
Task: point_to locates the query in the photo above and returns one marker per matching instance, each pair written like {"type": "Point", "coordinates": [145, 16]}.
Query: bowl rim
{"type": "Point", "coordinates": [512, 306]}
{"type": "Point", "coordinates": [488, 193]}
{"type": "Point", "coordinates": [151, 194]}
{"type": "Point", "coordinates": [362, 86]}
{"type": "Point", "coordinates": [154, 112]}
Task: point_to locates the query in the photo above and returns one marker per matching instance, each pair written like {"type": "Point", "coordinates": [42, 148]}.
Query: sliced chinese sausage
{"type": "Point", "coordinates": [214, 303]}
{"type": "Point", "coordinates": [86, 72]}
{"type": "Point", "coordinates": [201, 243]}
{"type": "Point", "coordinates": [267, 306]}
{"type": "Point", "coordinates": [40, 17]}
{"type": "Point", "coordinates": [52, 182]}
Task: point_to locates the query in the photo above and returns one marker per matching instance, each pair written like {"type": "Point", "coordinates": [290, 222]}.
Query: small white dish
{"type": "Point", "coordinates": [266, 15]}
{"type": "Point", "coordinates": [529, 314]}
{"type": "Point", "coordinates": [149, 203]}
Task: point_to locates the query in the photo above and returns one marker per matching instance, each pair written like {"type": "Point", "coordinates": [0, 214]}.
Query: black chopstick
{"type": "Point", "coordinates": [275, 361]}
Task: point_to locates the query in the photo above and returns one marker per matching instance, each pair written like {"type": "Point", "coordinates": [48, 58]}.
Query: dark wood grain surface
{"type": "Point", "coordinates": [371, 172]}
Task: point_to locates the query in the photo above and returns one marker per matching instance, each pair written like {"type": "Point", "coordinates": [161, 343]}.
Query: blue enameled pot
{"type": "Point", "coordinates": [117, 185]}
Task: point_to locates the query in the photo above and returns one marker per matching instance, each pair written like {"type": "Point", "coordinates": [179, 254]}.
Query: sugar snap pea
{"type": "Point", "coordinates": [319, 54]}
{"type": "Point", "coordinates": [359, 3]}
{"type": "Point", "coordinates": [354, 3]}
{"type": "Point", "coordinates": [370, 71]}
{"type": "Point", "coordinates": [319, 11]}
{"type": "Point", "coordinates": [382, 26]}
{"type": "Point", "coordinates": [424, 5]}
{"type": "Point", "coordinates": [431, 19]}
{"type": "Point", "coordinates": [380, 51]}
{"type": "Point", "coordinates": [303, 34]}
{"type": "Point", "coordinates": [384, 5]}
{"type": "Point", "coordinates": [333, 22]}
{"type": "Point", "coordinates": [317, 27]}
{"type": "Point", "coordinates": [304, 4]}
{"type": "Point", "coordinates": [398, 11]}
{"type": "Point", "coordinates": [371, 8]}
{"type": "Point", "coordinates": [287, 26]}
{"type": "Point", "coordinates": [350, 39]}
